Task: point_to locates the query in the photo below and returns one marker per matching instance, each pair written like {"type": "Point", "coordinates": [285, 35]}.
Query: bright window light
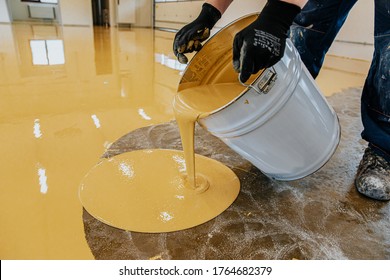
{"type": "Point", "coordinates": [55, 52]}
{"type": "Point", "coordinates": [38, 49]}
{"type": "Point", "coordinates": [47, 52]}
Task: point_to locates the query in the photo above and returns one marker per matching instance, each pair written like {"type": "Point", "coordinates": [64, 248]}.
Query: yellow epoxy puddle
{"type": "Point", "coordinates": [145, 191]}
{"type": "Point", "coordinates": [165, 190]}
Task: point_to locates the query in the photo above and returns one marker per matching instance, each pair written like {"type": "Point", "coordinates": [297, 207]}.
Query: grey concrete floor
{"type": "Point", "coordinates": [321, 216]}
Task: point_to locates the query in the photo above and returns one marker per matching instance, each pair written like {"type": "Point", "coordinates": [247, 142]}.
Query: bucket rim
{"type": "Point", "coordinates": [222, 29]}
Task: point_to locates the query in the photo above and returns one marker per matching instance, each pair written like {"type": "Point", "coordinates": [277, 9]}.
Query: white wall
{"type": "Point", "coordinates": [144, 13]}
{"type": "Point", "coordinates": [175, 15]}
{"type": "Point", "coordinates": [70, 12]}
{"type": "Point", "coordinates": [112, 9]}
{"type": "Point", "coordinates": [79, 12]}
{"type": "Point", "coordinates": [4, 15]}
{"type": "Point", "coordinates": [237, 10]}
{"type": "Point", "coordinates": [76, 12]}
{"type": "Point", "coordinates": [359, 26]}
{"type": "Point", "coordinates": [358, 29]}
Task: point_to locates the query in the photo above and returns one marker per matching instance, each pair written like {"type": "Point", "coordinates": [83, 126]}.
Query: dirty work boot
{"type": "Point", "coordinates": [373, 176]}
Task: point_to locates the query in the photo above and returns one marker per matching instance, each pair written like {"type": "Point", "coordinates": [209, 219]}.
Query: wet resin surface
{"type": "Point", "coordinates": [147, 191]}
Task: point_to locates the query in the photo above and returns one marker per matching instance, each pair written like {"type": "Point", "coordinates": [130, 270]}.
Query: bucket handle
{"type": "Point", "coordinates": [264, 82]}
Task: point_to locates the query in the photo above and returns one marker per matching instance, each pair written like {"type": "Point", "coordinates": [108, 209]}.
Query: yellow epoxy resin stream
{"type": "Point", "coordinates": [160, 190]}
{"type": "Point", "coordinates": [194, 103]}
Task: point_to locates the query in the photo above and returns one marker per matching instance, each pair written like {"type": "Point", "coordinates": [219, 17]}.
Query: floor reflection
{"type": "Point", "coordinates": [66, 94]}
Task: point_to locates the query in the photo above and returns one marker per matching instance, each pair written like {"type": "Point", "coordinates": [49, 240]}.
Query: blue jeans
{"type": "Point", "coordinates": [313, 32]}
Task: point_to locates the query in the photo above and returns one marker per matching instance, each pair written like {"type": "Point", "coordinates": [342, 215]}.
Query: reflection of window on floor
{"type": "Point", "coordinates": [169, 62]}
{"type": "Point", "coordinates": [47, 52]}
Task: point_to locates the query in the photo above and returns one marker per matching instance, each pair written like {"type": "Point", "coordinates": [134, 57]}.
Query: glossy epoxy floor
{"type": "Point", "coordinates": [66, 94]}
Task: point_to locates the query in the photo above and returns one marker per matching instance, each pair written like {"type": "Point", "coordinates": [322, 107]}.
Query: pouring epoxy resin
{"type": "Point", "coordinates": [165, 190]}
{"type": "Point", "coordinates": [280, 122]}
{"type": "Point", "coordinates": [194, 103]}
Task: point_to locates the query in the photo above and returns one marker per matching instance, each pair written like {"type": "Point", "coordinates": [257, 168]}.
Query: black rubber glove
{"type": "Point", "coordinates": [261, 44]}
{"type": "Point", "coordinates": [189, 38]}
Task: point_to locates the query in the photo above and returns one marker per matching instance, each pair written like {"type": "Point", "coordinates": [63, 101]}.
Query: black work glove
{"type": "Point", "coordinates": [261, 44]}
{"type": "Point", "coordinates": [189, 38]}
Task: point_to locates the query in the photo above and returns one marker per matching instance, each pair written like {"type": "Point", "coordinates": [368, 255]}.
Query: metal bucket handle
{"type": "Point", "coordinates": [264, 82]}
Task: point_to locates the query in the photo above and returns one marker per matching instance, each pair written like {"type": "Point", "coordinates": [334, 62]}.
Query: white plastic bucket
{"type": "Point", "coordinates": [281, 123]}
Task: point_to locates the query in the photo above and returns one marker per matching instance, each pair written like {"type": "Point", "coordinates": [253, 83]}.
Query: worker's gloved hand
{"type": "Point", "coordinates": [262, 43]}
{"type": "Point", "coordinates": [189, 38]}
